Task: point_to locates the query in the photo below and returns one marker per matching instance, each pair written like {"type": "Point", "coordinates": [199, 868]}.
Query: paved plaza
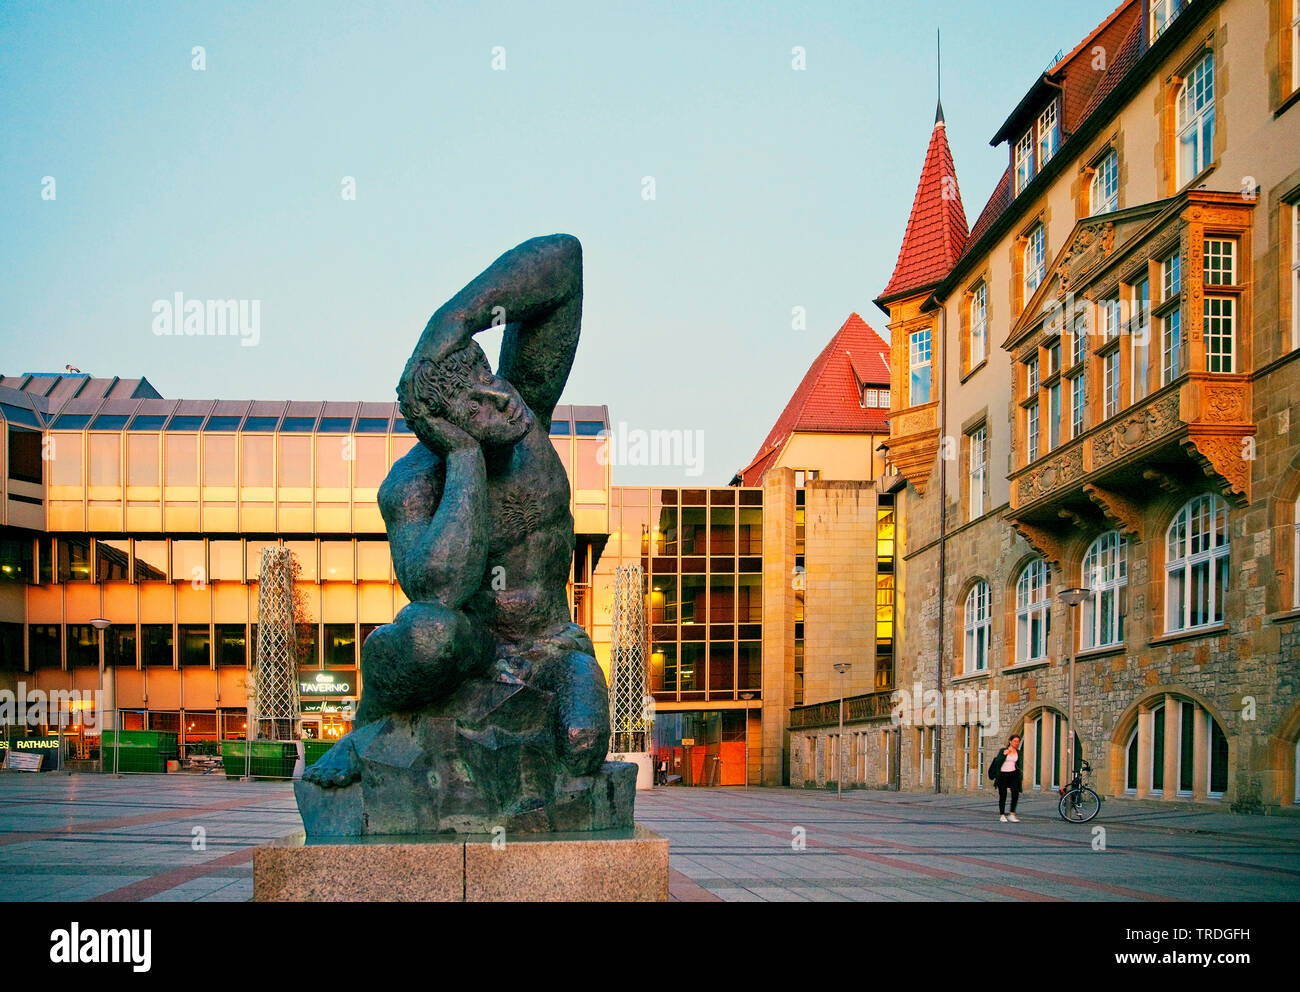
{"type": "Point", "coordinates": [190, 838]}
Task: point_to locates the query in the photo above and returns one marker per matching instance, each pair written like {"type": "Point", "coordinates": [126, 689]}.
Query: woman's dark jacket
{"type": "Point", "coordinates": [995, 769]}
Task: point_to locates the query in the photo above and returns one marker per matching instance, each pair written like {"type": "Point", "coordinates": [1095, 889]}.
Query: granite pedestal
{"type": "Point", "coordinates": [629, 865]}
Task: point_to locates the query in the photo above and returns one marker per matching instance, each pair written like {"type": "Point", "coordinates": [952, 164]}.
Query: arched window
{"type": "Point", "coordinates": [1105, 572]}
{"type": "Point", "coordinates": [1179, 721]}
{"type": "Point", "coordinates": [978, 625]}
{"type": "Point", "coordinates": [1196, 564]}
{"type": "Point", "coordinates": [1033, 613]}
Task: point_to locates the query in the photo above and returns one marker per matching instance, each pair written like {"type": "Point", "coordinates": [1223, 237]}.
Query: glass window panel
{"type": "Point", "coordinates": [187, 562]}
{"type": "Point", "coordinates": [335, 425]}
{"type": "Point", "coordinates": [219, 460]}
{"type": "Point", "coordinates": [373, 560]}
{"type": "Point", "coordinates": [147, 423]}
{"type": "Point", "coordinates": [227, 560]}
{"type": "Point", "coordinates": [222, 424]}
{"type": "Point", "coordinates": [150, 561]}
{"type": "Point", "coordinates": [340, 644]}
{"type": "Point", "coordinates": [333, 460]}
{"type": "Point", "coordinates": [180, 459]}
{"type": "Point", "coordinates": [141, 460]}
{"type": "Point", "coordinates": [372, 425]}
{"type": "Point", "coordinates": [71, 422]}
{"type": "Point", "coordinates": [74, 559]}
{"type": "Point", "coordinates": [336, 560]}
{"type": "Point", "coordinates": [112, 561]}
{"type": "Point", "coordinates": [43, 648]}
{"type": "Point", "coordinates": [156, 645]}
{"type": "Point", "coordinates": [195, 644]}
{"type": "Point", "coordinates": [305, 554]}
{"type": "Point", "coordinates": [371, 459]}
{"type": "Point", "coordinates": [83, 645]}
{"type": "Point", "coordinates": [105, 460]}
{"type": "Point", "coordinates": [258, 461]}
{"type": "Point", "coordinates": [185, 423]}
{"type": "Point", "coordinates": [295, 461]}
{"type": "Point", "coordinates": [65, 459]}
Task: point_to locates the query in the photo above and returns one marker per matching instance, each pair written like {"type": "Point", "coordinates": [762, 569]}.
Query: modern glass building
{"type": "Point", "coordinates": [152, 513]}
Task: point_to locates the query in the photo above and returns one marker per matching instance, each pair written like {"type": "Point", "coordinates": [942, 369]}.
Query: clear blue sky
{"type": "Point", "coordinates": [775, 188]}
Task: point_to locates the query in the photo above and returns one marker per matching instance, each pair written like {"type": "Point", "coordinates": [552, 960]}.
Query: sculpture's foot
{"type": "Point", "coordinates": [339, 767]}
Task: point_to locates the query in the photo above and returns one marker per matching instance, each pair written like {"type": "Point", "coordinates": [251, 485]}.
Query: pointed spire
{"type": "Point", "coordinates": [936, 230]}
{"type": "Point", "coordinates": [938, 75]}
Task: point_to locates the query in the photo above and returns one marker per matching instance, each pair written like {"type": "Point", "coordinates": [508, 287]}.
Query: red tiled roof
{"type": "Point", "coordinates": [829, 398]}
{"type": "Point", "coordinates": [936, 230]}
{"type": "Point", "coordinates": [1095, 88]}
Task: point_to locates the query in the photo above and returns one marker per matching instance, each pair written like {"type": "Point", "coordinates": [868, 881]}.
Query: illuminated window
{"type": "Point", "coordinates": [979, 622]}
{"type": "Point", "coordinates": [1195, 102]}
{"type": "Point", "coordinates": [1196, 564]}
{"type": "Point", "coordinates": [1033, 613]}
{"type": "Point", "coordinates": [1105, 572]}
{"type": "Point", "coordinates": [1103, 191]}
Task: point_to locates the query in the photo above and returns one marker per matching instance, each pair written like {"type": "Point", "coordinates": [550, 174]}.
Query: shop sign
{"type": "Point", "coordinates": [346, 706]}
{"type": "Point", "coordinates": [341, 683]}
{"type": "Point", "coordinates": [688, 742]}
{"type": "Point", "coordinates": [20, 761]}
{"type": "Point", "coordinates": [31, 744]}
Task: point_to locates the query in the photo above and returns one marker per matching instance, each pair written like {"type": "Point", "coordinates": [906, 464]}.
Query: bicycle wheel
{"type": "Point", "coordinates": [1079, 805]}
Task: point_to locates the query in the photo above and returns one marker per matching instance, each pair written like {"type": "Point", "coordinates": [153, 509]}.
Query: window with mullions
{"type": "Point", "coordinates": [1031, 432]}
{"type": "Point", "coordinates": [1195, 104]}
{"type": "Point", "coordinates": [1035, 261]}
{"type": "Point", "coordinates": [919, 364]}
{"type": "Point", "coordinates": [1033, 613]}
{"type": "Point", "coordinates": [1196, 564]}
{"type": "Point", "coordinates": [1220, 265]}
{"type": "Point", "coordinates": [1077, 404]}
{"type": "Point", "coordinates": [1140, 329]}
{"type": "Point", "coordinates": [1105, 573]}
{"type": "Point", "coordinates": [1103, 192]}
{"type": "Point", "coordinates": [1049, 134]}
{"type": "Point", "coordinates": [978, 625]}
{"type": "Point", "coordinates": [978, 442]}
{"type": "Point", "coordinates": [1171, 323]}
{"type": "Point", "coordinates": [25, 463]}
{"type": "Point", "coordinates": [979, 324]}
{"type": "Point", "coordinates": [1024, 161]}
{"type": "Point", "coordinates": [1163, 13]}
{"type": "Point", "coordinates": [1220, 334]}
{"type": "Point", "coordinates": [1110, 383]}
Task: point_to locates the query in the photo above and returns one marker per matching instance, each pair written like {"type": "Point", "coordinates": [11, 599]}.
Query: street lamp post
{"type": "Point", "coordinates": [842, 667]}
{"type": "Point", "coordinates": [101, 625]}
{"type": "Point", "coordinates": [1071, 598]}
{"type": "Point", "coordinates": [746, 696]}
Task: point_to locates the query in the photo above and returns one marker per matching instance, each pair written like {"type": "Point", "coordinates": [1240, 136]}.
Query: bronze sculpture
{"type": "Point", "coordinates": [483, 705]}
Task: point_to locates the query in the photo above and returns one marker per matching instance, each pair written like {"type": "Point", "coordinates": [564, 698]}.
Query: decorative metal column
{"type": "Point", "coordinates": [630, 712]}
{"type": "Point", "coordinates": [277, 652]}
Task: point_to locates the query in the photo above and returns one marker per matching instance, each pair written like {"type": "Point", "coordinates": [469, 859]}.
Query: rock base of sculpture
{"type": "Point", "coordinates": [482, 760]}
{"type": "Point", "coordinates": [599, 866]}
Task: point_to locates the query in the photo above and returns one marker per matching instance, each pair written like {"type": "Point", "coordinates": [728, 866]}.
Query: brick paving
{"type": "Point", "coordinates": [94, 838]}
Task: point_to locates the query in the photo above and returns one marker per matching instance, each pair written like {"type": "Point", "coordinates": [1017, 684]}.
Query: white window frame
{"type": "Point", "coordinates": [1109, 318]}
{"type": "Point", "coordinates": [1032, 431]}
{"type": "Point", "coordinates": [1049, 134]}
{"type": "Point", "coordinates": [1295, 560]}
{"type": "Point", "coordinates": [1054, 416]}
{"type": "Point", "coordinates": [979, 324]}
{"type": "Point", "coordinates": [977, 629]}
{"type": "Point", "coordinates": [1035, 260]}
{"type": "Point", "coordinates": [979, 439]}
{"type": "Point", "coordinates": [1171, 333]}
{"type": "Point", "coordinates": [1024, 161]}
{"type": "Point", "coordinates": [1220, 334]}
{"type": "Point", "coordinates": [1033, 612]}
{"type": "Point", "coordinates": [920, 357]}
{"type": "Point", "coordinates": [1078, 405]}
{"type": "Point", "coordinates": [1104, 571]}
{"type": "Point", "coordinates": [1195, 121]}
{"type": "Point", "coordinates": [1140, 327]}
{"type": "Point", "coordinates": [1163, 13]}
{"type": "Point", "coordinates": [1220, 266]}
{"type": "Point", "coordinates": [1103, 191]}
{"type": "Point", "coordinates": [1110, 384]}
{"type": "Point", "coordinates": [1197, 555]}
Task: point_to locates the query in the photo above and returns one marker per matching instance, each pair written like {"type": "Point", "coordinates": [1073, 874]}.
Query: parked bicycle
{"type": "Point", "coordinates": [1079, 804]}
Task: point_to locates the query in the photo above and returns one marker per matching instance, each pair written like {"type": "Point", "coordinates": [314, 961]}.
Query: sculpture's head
{"type": "Point", "coordinates": [462, 389]}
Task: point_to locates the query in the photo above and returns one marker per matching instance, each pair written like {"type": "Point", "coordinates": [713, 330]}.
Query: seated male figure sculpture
{"type": "Point", "coordinates": [478, 515]}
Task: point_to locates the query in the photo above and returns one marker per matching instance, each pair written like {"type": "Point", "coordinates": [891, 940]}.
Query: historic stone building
{"type": "Point", "coordinates": [1093, 389]}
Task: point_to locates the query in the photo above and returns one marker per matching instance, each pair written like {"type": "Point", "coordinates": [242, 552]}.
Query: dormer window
{"type": "Point", "coordinates": [1024, 161]}
{"type": "Point", "coordinates": [1049, 135]}
{"type": "Point", "coordinates": [1163, 13]}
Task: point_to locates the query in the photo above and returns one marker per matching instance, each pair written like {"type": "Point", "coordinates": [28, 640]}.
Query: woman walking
{"type": "Point", "coordinates": [1007, 771]}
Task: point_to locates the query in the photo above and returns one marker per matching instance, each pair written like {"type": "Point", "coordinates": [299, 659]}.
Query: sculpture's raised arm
{"type": "Point", "coordinates": [536, 289]}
